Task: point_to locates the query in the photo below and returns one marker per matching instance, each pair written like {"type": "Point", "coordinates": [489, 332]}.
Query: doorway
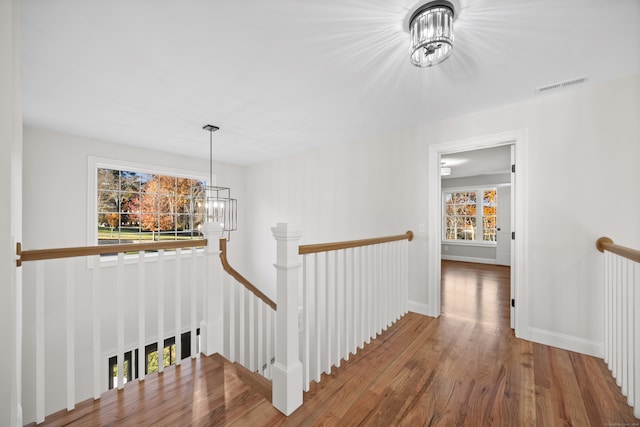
{"type": "Point", "coordinates": [518, 139]}
{"type": "Point", "coordinates": [476, 215]}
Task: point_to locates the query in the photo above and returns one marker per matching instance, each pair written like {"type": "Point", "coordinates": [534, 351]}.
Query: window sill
{"type": "Point", "coordinates": [469, 243]}
{"type": "Point", "coordinates": [129, 259]}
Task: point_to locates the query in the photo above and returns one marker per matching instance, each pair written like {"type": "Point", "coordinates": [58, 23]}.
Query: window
{"type": "Point", "coordinates": [151, 356]}
{"type": "Point", "coordinates": [134, 206]}
{"type": "Point", "coordinates": [470, 215]}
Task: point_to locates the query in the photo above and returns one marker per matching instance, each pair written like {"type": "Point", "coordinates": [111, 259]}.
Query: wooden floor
{"type": "Point", "coordinates": [464, 368]}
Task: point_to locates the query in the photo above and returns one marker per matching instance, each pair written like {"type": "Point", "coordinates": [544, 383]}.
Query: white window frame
{"type": "Point", "coordinates": [479, 190]}
{"type": "Point", "coordinates": [95, 163]}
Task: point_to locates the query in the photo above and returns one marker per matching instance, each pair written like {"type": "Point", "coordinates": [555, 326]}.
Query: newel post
{"type": "Point", "coordinates": [213, 321]}
{"type": "Point", "coordinates": [287, 369]}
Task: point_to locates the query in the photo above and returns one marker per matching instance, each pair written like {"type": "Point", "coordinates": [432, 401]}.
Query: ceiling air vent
{"type": "Point", "coordinates": [561, 85]}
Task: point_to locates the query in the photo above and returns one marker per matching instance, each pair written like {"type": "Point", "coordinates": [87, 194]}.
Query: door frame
{"type": "Point", "coordinates": [519, 140]}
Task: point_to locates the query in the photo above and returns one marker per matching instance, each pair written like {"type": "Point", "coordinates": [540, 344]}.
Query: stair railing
{"type": "Point", "coordinates": [63, 314]}
{"type": "Point", "coordinates": [351, 292]}
{"type": "Point", "coordinates": [622, 317]}
{"type": "Point", "coordinates": [249, 319]}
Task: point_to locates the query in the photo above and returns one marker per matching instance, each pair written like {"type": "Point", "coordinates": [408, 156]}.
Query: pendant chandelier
{"type": "Point", "coordinates": [431, 29]}
{"type": "Point", "coordinates": [219, 206]}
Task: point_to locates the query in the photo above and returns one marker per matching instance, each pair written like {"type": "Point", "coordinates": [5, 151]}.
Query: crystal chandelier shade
{"type": "Point", "coordinates": [431, 29]}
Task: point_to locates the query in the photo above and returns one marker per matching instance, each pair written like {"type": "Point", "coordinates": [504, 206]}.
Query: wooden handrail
{"type": "Point", "coordinates": [40, 254]}
{"type": "Point", "coordinates": [325, 247]}
{"type": "Point", "coordinates": [606, 244]}
{"type": "Point", "coordinates": [240, 278]}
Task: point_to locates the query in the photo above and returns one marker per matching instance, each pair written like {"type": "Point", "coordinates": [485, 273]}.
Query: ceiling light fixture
{"type": "Point", "coordinates": [220, 207]}
{"type": "Point", "coordinates": [444, 170]}
{"type": "Point", "coordinates": [431, 29]}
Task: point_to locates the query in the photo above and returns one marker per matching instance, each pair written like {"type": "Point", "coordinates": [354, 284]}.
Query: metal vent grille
{"type": "Point", "coordinates": [561, 85]}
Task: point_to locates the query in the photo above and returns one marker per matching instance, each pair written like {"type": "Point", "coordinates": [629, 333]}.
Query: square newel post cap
{"type": "Point", "coordinates": [212, 230]}
{"type": "Point", "coordinates": [285, 231]}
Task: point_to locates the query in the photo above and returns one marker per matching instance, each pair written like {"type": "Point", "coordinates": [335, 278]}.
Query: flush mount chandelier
{"type": "Point", "coordinates": [431, 29]}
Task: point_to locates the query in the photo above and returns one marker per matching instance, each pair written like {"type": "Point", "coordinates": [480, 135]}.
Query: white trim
{"type": "Point", "coordinates": [130, 259]}
{"type": "Point", "coordinates": [479, 190]}
{"type": "Point", "coordinates": [420, 308]}
{"type": "Point", "coordinates": [476, 260]}
{"type": "Point", "coordinates": [566, 342]}
{"type": "Point", "coordinates": [93, 163]}
{"type": "Point", "coordinates": [470, 243]}
{"type": "Point", "coordinates": [519, 138]}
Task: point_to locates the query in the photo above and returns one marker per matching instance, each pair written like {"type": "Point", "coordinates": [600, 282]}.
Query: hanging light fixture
{"type": "Point", "coordinates": [431, 29]}
{"type": "Point", "coordinates": [219, 206]}
{"type": "Point", "coordinates": [444, 170]}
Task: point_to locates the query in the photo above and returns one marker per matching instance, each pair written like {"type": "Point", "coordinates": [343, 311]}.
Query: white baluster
{"type": "Point", "coordinates": [71, 336]}
{"type": "Point", "coordinates": [305, 327]}
{"type": "Point", "coordinates": [367, 300]}
{"type": "Point", "coordinates": [160, 343]}
{"type": "Point", "coordinates": [384, 286]}
{"type": "Point", "coordinates": [96, 305]}
{"type": "Point", "coordinates": [608, 309]}
{"type": "Point", "coordinates": [361, 300]}
{"type": "Point", "coordinates": [141, 314]}
{"type": "Point", "coordinates": [259, 334]}
{"type": "Point", "coordinates": [327, 314]}
{"type": "Point", "coordinates": [194, 307]}
{"type": "Point", "coordinates": [618, 348]}
{"type": "Point", "coordinates": [233, 325]}
{"type": "Point", "coordinates": [177, 288]}
{"type": "Point", "coordinates": [405, 269]}
{"type": "Point", "coordinates": [252, 331]}
{"type": "Point", "coordinates": [629, 300]}
{"type": "Point", "coordinates": [270, 339]}
{"type": "Point", "coordinates": [317, 347]}
{"type": "Point", "coordinates": [624, 329]}
{"type": "Point", "coordinates": [354, 301]}
{"type": "Point", "coordinates": [120, 319]}
{"type": "Point", "coordinates": [40, 343]}
{"type": "Point", "coordinates": [347, 304]}
{"type": "Point", "coordinates": [636, 340]}
{"type": "Point", "coordinates": [379, 287]}
{"type": "Point", "coordinates": [242, 329]}
{"type": "Point", "coordinates": [337, 332]}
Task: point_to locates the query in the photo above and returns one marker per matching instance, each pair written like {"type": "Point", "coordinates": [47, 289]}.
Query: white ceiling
{"type": "Point", "coordinates": [478, 162]}
{"type": "Point", "coordinates": [285, 76]}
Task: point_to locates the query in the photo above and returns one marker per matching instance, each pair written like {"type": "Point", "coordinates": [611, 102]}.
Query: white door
{"type": "Point", "coordinates": [503, 219]}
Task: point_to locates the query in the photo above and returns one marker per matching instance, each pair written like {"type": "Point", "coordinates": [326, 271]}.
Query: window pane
{"type": "Point", "coordinates": [152, 362]}
{"type": "Point", "coordinates": [134, 206]}
{"type": "Point", "coordinates": [489, 208]}
{"type": "Point", "coordinates": [460, 211]}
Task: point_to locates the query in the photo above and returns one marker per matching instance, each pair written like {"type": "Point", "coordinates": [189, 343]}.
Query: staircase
{"type": "Point", "coordinates": [205, 391]}
{"type": "Point", "coordinates": [109, 316]}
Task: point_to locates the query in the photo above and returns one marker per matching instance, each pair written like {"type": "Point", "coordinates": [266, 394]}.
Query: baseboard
{"type": "Point", "coordinates": [566, 342]}
{"type": "Point", "coordinates": [468, 259]}
{"type": "Point", "coordinates": [420, 308]}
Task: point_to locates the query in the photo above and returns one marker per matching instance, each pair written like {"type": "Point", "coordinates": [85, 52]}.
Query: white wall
{"type": "Point", "coordinates": [583, 183]}
{"type": "Point", "coordinates": [55, 215]}
{"type": "Point", "coordinates": [10, 208]}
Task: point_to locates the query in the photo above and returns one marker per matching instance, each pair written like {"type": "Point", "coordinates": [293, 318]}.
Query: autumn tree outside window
{"type": "Point", "coordinates": [135, 206]}
{"type": "Point", "coordinates": [470, 215]}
